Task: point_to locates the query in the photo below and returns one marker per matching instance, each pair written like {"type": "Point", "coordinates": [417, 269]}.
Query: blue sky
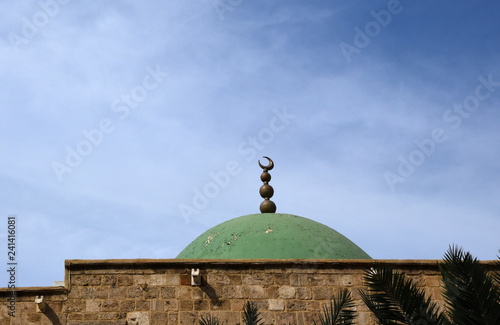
{"type": "Point", "coordinates": [129, 128]}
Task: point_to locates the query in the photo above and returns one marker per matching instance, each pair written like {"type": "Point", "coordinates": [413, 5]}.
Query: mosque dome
{"type": "Point", "coordinates": [273, 236]}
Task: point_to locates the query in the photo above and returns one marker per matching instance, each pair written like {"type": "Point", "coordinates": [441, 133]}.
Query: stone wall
{"type": "Point", "coordinates": [154, 292]}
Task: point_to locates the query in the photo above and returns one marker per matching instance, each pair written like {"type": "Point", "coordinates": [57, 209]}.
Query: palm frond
{"type": "Point", "coordinates": [496, 274]}
{"type": "Point", "coordinates": [340, 311]}
{"type": "Point", "coordinates": [251, 314]}
{"type": "Point", "coordinates": [209, 320]}
{"type": "Point", "coordinates": [469, 292]}
{"type": "Point", "coordinates": [395, 299]}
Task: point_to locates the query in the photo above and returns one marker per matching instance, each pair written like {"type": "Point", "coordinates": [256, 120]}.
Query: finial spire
{"type": "Point", "coordinates": [266, 191]}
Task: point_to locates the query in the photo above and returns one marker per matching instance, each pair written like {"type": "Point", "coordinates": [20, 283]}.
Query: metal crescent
{"type": "Point", "coordinates": [268, 167]}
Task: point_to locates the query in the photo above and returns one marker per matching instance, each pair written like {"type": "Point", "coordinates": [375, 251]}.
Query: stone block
{"type": "Point", "coordinates": [215, 279]}
{"type": "Point", "coordinates": [93, 316]}
{"type": "Point", "coordinates": [142, 305]}
{"type": "Point", "coordinates": [86, 280]}
{"type": "Point", "coordinates": [201, 304]}
{"type": "Point", "coordinates": [300, 319]}
{"type": "Point", "coordinates": [138, 318]}
{"type": "Point", "coordinates": [222, 304]}
{"type": "Point", "coordinates": [286, 292]}
{"type": "Point", "coordinates": [304, 293]}
{"type": "Point", "coordinates": [235, 279]}
{"type": "Point", "coordinates": [184, 292]}
{"type": "Point", "coordinates": [186, 279]}
{"type": "Point", "coordinates": [296, 305]}
{"type": "Point", "coordinates": [319, 279]}
{"type": "Point", "coordinates": [134, 292]}
{"type": "Point", "coordinates": [157, 280]}
{"type": "Point", "coordinates": [419, 280]}
{"type": "Point", "coordinates": [151, 292]}
{"type": "Point", "coordinates": [167, 292]}
{"type": "Point", "coordinates": [157, 305]}
{"type": "Point", "coordinates": [298, 279]}
{"type": "Point", "coordinates": [75, 306]}
{"type": "Point", "coordinates": [76, 316]}
{"type": "Point", "coordinates": [82, 293]}
{"type": "Point", "coordinates": [272, 292]}
{"type": "Point", "coordinates": [172, 279]}
{"type": "Point", "coordinates": [230, 317]}
{"type": "Point", "coordinates": [433, 281]}
{"type": "Point", "coordinates": [117, 292]}
{"type": "Point", "coordinates": [139, 279]}
{"type": "Point", "coordinates": [186, 305]}
{"type": "Point", "coordinates": [238, 304]}
{"type": "Point", "coordinates": [188, 317]}
{"type": "Point", "coordinates": [232, 292]}
{"type": "Point", "coordinates": [127, 305]}
{"type": "Point", "coordinates": [112, 315]}
{"type": "Point", "coordinates": [258, 278]}
{"type": "Point", "coordinates": [268, 317]}
{"type": "Point", "coordinates": [158, 318]}
{"type": "Point", "coordinates": [322, 293]}
{"type": "Point", "coordinates": [262, 305]}
{"type": "Point", "coordinates": [93, 306]}
{"type": "Point", "coordinates": [275, 304]}
{"type": "Point", "coordinates": [347, 280]}
{"type": "Point", "coordinates": [281, 279]}
{"type": "Point", "coordinates": [173, 318]}
{"type": "Point", "coordinates": [171, 305]}
{"type": "Point", "coordinates": [108, 280]}
{"type": "Point", "coordinates": [254, 291]}
{"type": "Point", "coordinates": [101, 293]}
{"type": "Point", "coordinates": [124, 280]}
{"type": "Point", "coordinates": [313, 305]}
{"type": "Point", "coordinates": [358, 280]}
{"type": "Point", "coordinates": [79, 322]}
{"type": "Point", "coordinates": [197, 293]}
{"type": "Point", "coordinates": [110, 305]}
{"type": "Point", "coordinates": [286, 318]}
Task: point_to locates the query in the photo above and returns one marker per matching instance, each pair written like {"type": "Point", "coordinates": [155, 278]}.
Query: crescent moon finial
{"type": "Point", "coordinates": [266, 191]}
{"type": "Point", "coordinates": [269, 166]}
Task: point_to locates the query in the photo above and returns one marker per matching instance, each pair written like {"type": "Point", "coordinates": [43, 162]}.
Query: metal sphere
{"type": "Point", "coordinates": [265, 177]}
{"type": "Point", "coordinates": [266, 191]}
{"type": "Point", "coordinates": [267, 206]}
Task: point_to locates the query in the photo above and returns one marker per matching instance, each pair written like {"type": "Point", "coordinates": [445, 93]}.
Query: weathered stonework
{"type": "Point", "coordinates": [159, 292]}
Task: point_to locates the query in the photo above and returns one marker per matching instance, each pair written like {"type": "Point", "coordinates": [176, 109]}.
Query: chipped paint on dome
{"type": "Point", "coordinates": [272, 235]}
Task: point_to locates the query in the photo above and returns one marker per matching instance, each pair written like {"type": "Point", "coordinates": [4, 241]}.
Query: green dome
{"type": "Point", "coordinates": [272, 235]}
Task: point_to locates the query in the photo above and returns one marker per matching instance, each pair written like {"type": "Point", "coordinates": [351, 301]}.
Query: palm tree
{"type": "Point", "coordinates": [395, 299]}
{"type": "Point", "coordinates": [341, 310]}
{"type": "Point", "coordinates": [209, 320]}
{"type": "Point", "coordinates": [251, 314]}
{"type": "Point", "coordinates": [471, 294]}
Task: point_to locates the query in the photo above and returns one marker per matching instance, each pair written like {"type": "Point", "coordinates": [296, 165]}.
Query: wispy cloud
{"type": "Point", "coordinates": [226, 78]}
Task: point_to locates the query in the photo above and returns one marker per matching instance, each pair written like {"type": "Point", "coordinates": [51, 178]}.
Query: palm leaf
{"type": "Point", "coordinates": [340, 311]}
{"type": "Point", "coordinates": [209, 320]}
{"type": "Point", "coordinates": [251, 315]}
{"type": "Point", "coordinates": [469, 292]}
{"type": "Point", "coordinates": [496, 274]}
{"type": "Point", "coordinates": [395, 299]}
